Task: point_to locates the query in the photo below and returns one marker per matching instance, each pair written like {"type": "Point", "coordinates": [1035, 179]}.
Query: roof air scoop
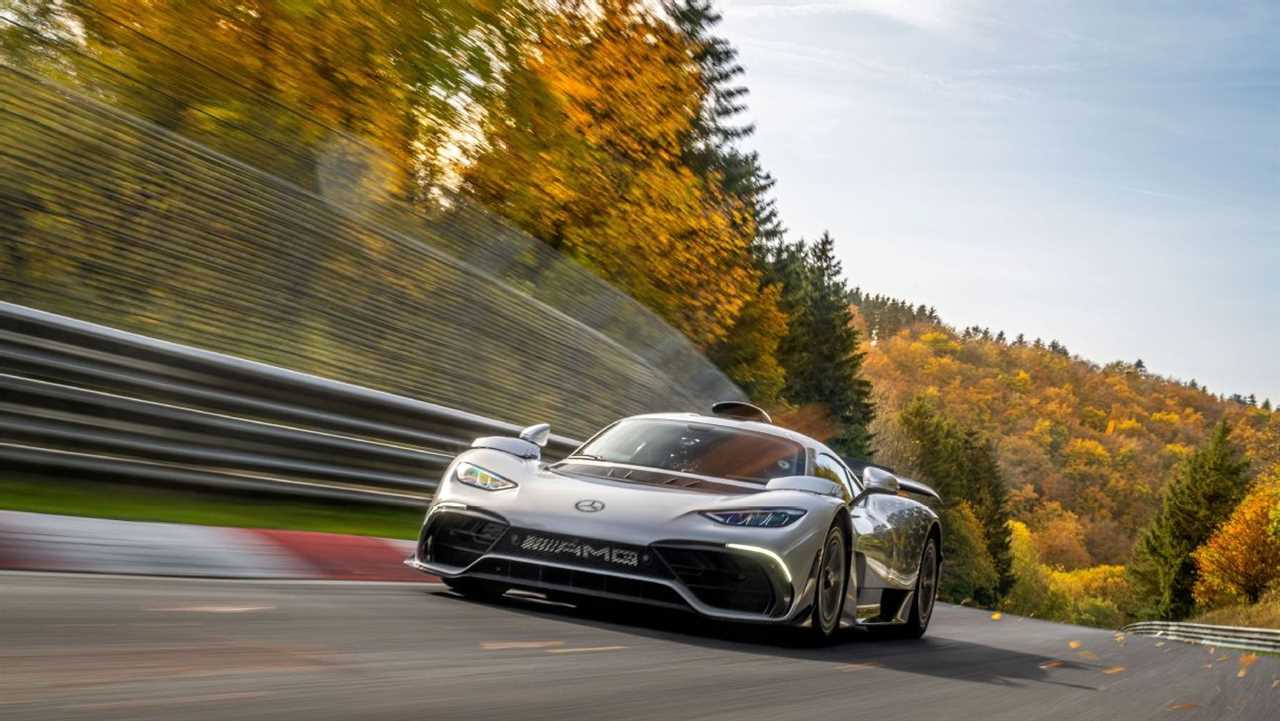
{"type": "Point", "coordinates": [741, 411]}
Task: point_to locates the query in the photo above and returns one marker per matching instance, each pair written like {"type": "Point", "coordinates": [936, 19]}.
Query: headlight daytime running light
{"type": "Point", "coordinates": [757, 517]}
{"type": "Point", "coordinates": [477, 477]}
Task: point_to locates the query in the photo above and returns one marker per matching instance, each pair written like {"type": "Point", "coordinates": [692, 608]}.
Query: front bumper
{"type": "Point", "coordinates": [732, 582]}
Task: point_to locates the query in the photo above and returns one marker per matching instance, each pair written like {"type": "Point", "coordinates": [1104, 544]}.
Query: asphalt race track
{"type": "Point", "coordinates": [109, 647]}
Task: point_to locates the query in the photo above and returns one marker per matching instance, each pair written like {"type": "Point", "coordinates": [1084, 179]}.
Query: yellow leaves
{"type": "Point", "coordinates": [1127, 425]}
{"type": "Point", "coordinates": [1020, 381]}
{"type": "Point", "coordinates": [939, 342]}
{"type": "Point", "coordinates": [997, 616]}
{"type": "Point", "coordinates": [1073, 645]}
{"type": "Point", "coordinates": [1087, 451]}
{"type": "Point", "coordinates": [604, 103]}
{"type": "Point", "coordinates": [1242, 558]}
{"type": "Point", "coordinates": [622, 79]}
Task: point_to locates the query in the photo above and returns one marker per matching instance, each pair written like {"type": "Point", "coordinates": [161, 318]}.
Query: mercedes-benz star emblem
{"type": "Point", "coordinates": [589, 505]}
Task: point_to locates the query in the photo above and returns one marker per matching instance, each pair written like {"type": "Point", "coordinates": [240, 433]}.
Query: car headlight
{"type": "Point", "coordinates": [480, 478]}
{"type": "Point", "coordinates": [757, 517]}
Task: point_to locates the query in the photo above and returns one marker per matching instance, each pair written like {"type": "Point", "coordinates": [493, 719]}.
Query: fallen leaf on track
{"type": "Point", "coordinates": [1073, 644]}
{"type": "Point", "coordinates": [859, 666]}
{"type": "Point", "coordinates": [997, 616]}
{"type": "Point", "coordinates": [1246, 661]}
{"type": "Point", "coordinates": [1183, 706]}
{"type": "Point", "coordinates": [1114, 670]}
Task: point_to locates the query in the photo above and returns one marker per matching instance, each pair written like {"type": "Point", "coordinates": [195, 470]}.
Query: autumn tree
{"type": "Point", "coordinates": [1241, 560]}
{"type": "Point", "coordinates": [970, 572]}
{"type": "Point", "coordinates": [1200, 496]}
{"type": "Point", "coordinates": [1060, 537]}
{"type": "Point", "coordinates": [1031, 593]}
{"type": "Point", "coordinates": [713, 150]}
{"type": "Point", "coordinates": [377, 87]}
{"type": "Point", "coordinates": [587, 151]}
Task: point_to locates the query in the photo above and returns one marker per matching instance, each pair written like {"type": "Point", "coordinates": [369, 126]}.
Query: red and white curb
{"type": "Point", "coordinates": [40, 542]}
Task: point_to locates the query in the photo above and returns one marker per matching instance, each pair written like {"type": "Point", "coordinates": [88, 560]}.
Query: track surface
{"type": "Point", "coordinates": [136, 648]}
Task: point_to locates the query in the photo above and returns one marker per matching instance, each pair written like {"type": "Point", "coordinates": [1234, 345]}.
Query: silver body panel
{"type": "Point", "coordinates": [888, 532]}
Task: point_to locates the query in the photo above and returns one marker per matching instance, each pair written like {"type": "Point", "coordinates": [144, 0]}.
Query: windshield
{"type": "Point", "coordinates": [701, 448]}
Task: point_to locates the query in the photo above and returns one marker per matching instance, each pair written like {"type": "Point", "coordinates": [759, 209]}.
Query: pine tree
{"type": "Point", "coordinates": [990, 499]}
{"type": "Point", "coordinates": [1201, 495]}
{"type": "Point", "coordinates": [1140, 367]}
{"type": "Point", "coordinates": [712, 144]}
{"type": "Point", "coordinates": [1266, 405]}
{"type": "Point", "coordinates": [963, 467]}
{"type": "Point", "coordinates": [821, 353]}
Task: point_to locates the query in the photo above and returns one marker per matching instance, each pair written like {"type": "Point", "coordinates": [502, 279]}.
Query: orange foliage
{"type": "Point", "coordinates": [587, 156]}
{"type": "Point", "coordinates": [1242, 559]}
{"type": "Point", "coordinates": [1097, 440]}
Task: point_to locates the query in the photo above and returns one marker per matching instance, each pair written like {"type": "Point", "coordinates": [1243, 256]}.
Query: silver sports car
{"type": "Point", "coordinates": [726, 515]}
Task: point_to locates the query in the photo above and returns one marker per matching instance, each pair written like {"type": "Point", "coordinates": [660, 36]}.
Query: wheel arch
{"type": "Point", "coordinates": [851, 555]}
{"type": "Point", "coordinates": [935, 532]}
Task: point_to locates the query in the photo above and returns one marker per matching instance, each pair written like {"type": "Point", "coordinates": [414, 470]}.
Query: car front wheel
{"type": "Point", "coordinates": [833, 583]}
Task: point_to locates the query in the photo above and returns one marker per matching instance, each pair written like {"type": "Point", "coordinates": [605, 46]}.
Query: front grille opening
{"type": "Point", "coordinates": [539, 577]}
{"type": "Point", "coordinates": [455, 539]}
{"type": "Point", "coordinates": [721, 579]}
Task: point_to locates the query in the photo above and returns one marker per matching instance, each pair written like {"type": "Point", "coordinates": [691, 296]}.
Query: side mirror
{"type": "Point", "coordinates": [537, 435]}
{"type": "Point", "coordinates": [808, 484]}
{"type": "Point", "coordinates": [878, 480]}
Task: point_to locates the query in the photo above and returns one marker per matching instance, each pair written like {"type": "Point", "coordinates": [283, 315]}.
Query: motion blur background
{"type": "Point", "coordinates": [504, 212]}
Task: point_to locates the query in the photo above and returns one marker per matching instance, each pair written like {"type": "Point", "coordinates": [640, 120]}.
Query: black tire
{"type": "Point", "coordinates": [475, 588]}
{"type": "Point", "coordinates": [832, 585]}
{"type": "Point", "coordinates": [926, 595]}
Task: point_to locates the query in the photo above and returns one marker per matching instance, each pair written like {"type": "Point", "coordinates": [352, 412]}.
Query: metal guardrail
{"type": "Point", "coordinates": [1248, 639]}
{"type": "Point", "coordinates": [88, 399]}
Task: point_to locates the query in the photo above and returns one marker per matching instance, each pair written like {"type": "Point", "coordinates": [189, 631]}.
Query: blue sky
{"type": "Point", "coordinates": [1102, 173]}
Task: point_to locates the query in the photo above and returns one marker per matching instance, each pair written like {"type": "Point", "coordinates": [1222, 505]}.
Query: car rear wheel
{"type": "Point", "coordinates": [832, 584]}
{"type": "Point", "coordinates": [926, 594]}
{"type": "Point", "coordinates": [475, 588]}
